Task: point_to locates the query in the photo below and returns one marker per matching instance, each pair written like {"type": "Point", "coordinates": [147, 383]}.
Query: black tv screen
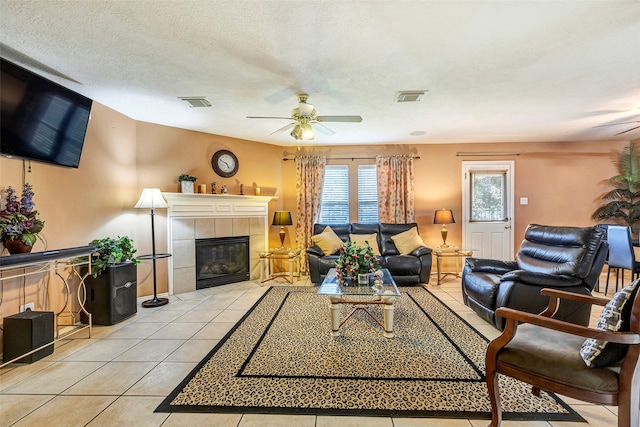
{"type": "Point", "coordinates": [41, 120]}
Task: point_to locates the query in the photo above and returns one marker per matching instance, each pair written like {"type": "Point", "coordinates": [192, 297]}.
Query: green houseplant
{"type": "Point", "coordinates": [186, 182]}
{"type": "Point", "coordinates": [112, 287]}
{"type": "Point", "coordinates": [353, 260]}
{"type": "Point", "coordinates": [623, 201]}
{"type": "Point", "coordinates": [109, 252]}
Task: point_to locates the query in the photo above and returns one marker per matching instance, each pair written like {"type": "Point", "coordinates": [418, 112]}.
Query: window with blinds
{"type": "Point", "coordinates": [367, 194]}
{"type": "Point", "coordinates": [334, 207]}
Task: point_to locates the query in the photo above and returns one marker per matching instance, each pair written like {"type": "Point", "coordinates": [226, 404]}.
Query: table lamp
{"type": "Point", "coordinates": [151, 198]}
{"type": "Point", "coordinates": [444, 217]}
{"type": "Point", "coordinates": [282, 218]}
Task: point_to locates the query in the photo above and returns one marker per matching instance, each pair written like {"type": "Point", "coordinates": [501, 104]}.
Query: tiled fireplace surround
{"type": "Point", "coordinates": [203, 216]}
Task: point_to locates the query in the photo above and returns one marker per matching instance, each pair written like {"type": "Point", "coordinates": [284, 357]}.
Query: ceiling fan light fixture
{"type": "Point", "coordinates": [296, 132]}
{"type": "Point", "coordinates": [307, 132]}
{"type": "Point", "coordinates": [306, 110]}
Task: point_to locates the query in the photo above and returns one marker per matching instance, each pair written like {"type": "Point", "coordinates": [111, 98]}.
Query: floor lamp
{"type": "Point", "coordinates": [151, 198]}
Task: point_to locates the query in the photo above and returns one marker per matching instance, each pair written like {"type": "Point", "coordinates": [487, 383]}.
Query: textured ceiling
{"type": "Point", "coordinates": [495, 71]}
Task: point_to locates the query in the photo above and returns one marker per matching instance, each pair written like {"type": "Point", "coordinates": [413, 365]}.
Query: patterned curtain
{"type": "Point", "coordinates": [396, 203]}
{"type": "Point", "coordinates": [309, 178]}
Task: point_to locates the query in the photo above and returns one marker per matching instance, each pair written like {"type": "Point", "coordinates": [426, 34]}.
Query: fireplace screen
{"type": "Point", "coordinates": [221, 260]}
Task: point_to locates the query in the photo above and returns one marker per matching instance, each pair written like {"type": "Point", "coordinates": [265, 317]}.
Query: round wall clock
{"type": "Point", "coordinates": [225, 163]}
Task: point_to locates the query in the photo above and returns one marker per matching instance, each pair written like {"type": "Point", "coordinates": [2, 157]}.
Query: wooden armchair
{"type": "Point", "coordinates": [544, 355]}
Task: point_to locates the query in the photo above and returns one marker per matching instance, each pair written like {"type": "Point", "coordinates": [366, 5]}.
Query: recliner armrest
{"type": "Point", "coordinates": [486, 265]}
{"type": "Point", "coordinates": [315, 250]}
{"type": "Point", "coordinates": [540, 279]}
{"type": "Point", "coordinates": [421, 251]}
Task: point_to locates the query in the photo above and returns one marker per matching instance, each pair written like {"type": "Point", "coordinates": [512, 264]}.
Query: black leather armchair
{"type": "Point", "coordinates": [411, 269]}
{"type": "Point", "coordinates": [567, 258]}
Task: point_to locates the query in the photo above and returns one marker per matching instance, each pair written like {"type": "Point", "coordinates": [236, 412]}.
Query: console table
{"type": "Point", "coordinates": [23, 265]}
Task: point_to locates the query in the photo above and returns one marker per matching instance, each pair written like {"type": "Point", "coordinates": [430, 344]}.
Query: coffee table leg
{"type": "Point", "coordinates": [335, 315]}
{"type": "Point", "coordinates": [388, 316]}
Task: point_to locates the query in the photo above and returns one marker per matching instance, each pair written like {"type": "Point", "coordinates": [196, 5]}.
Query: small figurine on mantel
{"type": "Point", "coordinates": [242, 189]}
{"type": "Point", "coordinates": [223, 190]}
{"type": "Point", "coordinates": [213, 188]}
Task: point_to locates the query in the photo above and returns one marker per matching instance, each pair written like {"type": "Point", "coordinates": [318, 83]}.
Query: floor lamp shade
{"type": "Point", "coordinates": [282, 218]}
{"type": "Point", "coordinates": [444, 217]}
{"type": "Point", "coordinates": [151, 198]}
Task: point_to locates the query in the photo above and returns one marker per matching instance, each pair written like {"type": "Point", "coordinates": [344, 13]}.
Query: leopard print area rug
{"type": "Point", "coordinates": [281, 358]}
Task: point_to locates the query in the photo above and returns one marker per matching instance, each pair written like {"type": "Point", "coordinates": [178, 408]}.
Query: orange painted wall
{"type": "Point", "coordinates": [563, 181]}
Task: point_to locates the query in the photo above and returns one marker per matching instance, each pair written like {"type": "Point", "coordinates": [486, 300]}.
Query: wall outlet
{"type": "Point", "coordinates": [28, 306]}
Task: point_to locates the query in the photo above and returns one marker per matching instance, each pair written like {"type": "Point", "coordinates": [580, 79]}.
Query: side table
{"type": "Point", "coordinates": [266, 264]}
{"type": "Point", "coordinates": [450, 252]}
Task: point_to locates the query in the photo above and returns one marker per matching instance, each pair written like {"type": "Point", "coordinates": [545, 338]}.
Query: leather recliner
{"type": "Point", "coordinates": [411, 269]}
{"type": "Point", "coordinates": [566, 258]}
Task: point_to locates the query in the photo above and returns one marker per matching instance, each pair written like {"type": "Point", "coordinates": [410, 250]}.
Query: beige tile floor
{"type": "Point", "coordinates": [119, 375]}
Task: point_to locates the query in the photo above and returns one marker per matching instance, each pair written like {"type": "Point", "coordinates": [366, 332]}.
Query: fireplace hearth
{"type": "Point", "coordinates": [221, 260]}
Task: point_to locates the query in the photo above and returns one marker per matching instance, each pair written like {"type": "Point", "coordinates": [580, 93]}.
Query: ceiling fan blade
{"type": "Point", "coordinates": [259, 117]}
{"type": "Point", "coordinates": [628, 130]}
{"type": "Point", "coordinates": [620, 123]}
{"type": "Point", "coordinates": [354, 119]}
{"type": "Point", "coordinates": [322, 129]}
{"type": "Point", "coordinates": [282, 129]}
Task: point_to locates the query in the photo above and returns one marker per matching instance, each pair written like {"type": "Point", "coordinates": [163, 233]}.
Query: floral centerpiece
{"type": "Point", "coordinates": [354, 259]}
{"type": "Point", "coordinates": [18, 219]}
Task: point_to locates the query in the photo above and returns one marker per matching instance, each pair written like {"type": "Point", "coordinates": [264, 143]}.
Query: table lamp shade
{"type": "Point", "coordinates": [444, 216]}
{"type": "Point", "coordinates": [151, 198]}
{"type": "Point", "coordinates": [282, 218]}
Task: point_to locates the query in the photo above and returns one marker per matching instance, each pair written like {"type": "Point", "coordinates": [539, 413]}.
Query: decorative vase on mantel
{"type": "Point", "coordinates": [17, 246]}
{"type": "Point", "coordinates": [186, 187]}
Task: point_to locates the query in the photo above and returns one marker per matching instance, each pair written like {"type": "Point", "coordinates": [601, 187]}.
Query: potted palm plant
{"type": "Point", "coordinates": [111, 288]}
{"type": "Point", "coordinates": [623, 201]}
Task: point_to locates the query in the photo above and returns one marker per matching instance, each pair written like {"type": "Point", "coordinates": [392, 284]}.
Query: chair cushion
{"type": "Point", "coordinates": [615, 317]}
{"type": "Point", "coordinates": [482, 287]}
{"type": "Point", "coordinates": [556, 356]}
{"type": "Point", "coordinates": [328, 241]}
{"type": "Point", "coordinates": [407, 241]}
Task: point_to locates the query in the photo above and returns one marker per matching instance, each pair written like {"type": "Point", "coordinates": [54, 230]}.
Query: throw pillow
{"type": "Point", "coordinates": [328, 241]}
{"type": "Point", "coordinates": [616, 316]}
{"type": "Point", "coordinates": [364, 239]}
{"type": "Point", "coordinates": [407, 241]}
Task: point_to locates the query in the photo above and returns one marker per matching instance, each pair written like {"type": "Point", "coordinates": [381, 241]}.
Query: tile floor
{"type": "Point", "coordinates": [119, 375]}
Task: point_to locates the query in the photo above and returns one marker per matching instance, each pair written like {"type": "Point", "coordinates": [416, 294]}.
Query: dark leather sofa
{"type": "Point", "coordinates": [411, 269]}
{"type": "Point", "coordinates": [566, 258]}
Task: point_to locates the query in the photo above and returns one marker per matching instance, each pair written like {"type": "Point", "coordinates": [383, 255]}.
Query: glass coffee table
{"type": "Point", "coordinates": [384, 292]}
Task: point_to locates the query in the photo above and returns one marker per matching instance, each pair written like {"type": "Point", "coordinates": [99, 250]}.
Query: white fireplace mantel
{"type": "Point", "coordinates": [192, 216]}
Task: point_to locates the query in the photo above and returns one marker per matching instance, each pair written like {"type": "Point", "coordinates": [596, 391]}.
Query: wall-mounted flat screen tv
{"type": "Point", "coordinates": [41, 120]}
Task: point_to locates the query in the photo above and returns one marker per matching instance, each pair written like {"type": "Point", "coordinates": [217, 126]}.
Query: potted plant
{"type": "Point", "coordinates": [19, 221]}
{"type": "Point", "coordinates": [111, 288]}
{"type": "Point", "coordinates": [623, 202]}
{"type": "Point", "coordinates": [355, 262]}
{"type": "Point", "coordinates": [186, 182]}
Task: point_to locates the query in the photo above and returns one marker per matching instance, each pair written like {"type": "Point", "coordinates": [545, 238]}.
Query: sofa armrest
{"type": "Point", "coordinates": [540, 279]}
{"type": "Point", "coordinates": [315, 250]}
{"type": "Point", "coordinates": [421, 251]}
{"type": "Point", "coordinates": [485, 265]}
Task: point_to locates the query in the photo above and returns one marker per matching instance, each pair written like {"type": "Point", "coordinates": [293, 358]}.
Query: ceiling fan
{"type": "Point", "coordinates": [305, 120]}
{"type": "Point", "coordinates": [622, 123]}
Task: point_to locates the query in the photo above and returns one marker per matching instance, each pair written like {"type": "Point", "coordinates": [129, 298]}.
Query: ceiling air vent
{"type": "Point", "coordinates": [196, 101]}
{"type": "Point", "coordinates": [410, 96]}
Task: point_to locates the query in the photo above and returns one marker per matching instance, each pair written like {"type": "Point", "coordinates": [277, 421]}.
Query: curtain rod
{"type": "Point", "coordinates": [484, 154]}
{"type": "Point", "coordinates": [348, 158]}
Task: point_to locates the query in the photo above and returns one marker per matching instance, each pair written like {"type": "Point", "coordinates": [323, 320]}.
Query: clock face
{"type": "Point", "coordinates": [225, 163]}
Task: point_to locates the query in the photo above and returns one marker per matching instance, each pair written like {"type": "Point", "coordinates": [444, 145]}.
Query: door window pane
{"type": "Point", "coordinates": [367, 194]}
{"type": "Point", "coordinates": [488, 191]}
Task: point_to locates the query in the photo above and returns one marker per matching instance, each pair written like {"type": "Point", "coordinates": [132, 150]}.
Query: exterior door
{"type": "Point", "coordinates": [487, 208]}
